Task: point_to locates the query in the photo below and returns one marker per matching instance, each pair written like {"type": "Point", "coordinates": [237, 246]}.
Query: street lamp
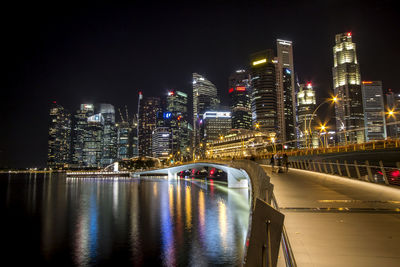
{"type": "Point", "coordinates": [332, 100]}
{"type": "Point", "coordinates": [323, 129]}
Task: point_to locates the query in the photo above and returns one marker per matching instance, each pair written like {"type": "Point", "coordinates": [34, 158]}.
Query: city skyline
{"type": "Point", "coordinates": [26, 94]}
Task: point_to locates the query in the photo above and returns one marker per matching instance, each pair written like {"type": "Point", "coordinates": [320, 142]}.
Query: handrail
{"type": "Point", "coordinates": [286, 247]}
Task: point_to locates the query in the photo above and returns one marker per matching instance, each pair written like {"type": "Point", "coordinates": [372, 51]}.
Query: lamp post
{"type": "Point", "coordinates": [334, 99]}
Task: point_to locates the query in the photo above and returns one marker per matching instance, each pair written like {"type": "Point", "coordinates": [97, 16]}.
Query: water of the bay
{"type": "Point", "coordinates": [58, 221]}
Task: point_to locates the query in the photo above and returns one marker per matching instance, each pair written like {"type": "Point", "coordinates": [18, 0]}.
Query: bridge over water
{"type": "Point", "coordinates": [330, 220]}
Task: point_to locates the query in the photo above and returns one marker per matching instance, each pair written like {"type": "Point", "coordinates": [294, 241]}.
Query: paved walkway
{"type": "Point", "coordinates": [334, 221]}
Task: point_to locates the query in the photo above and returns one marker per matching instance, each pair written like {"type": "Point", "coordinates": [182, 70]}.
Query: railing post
{"type": "Point", "coordinates": [331, 165]}
{"type": "Point", "coordinates": [338, 168]}
{"type": "Point", "coordinates": [314, 168]}
{"type": "Point", "coordinates": [326, 170]}
{"type": "Point", "coordinates": [357, 169]}
{"type": "Point", "coordinates": [370, 177]}
{"type": "Point", "coordinates": [347, 169]}
{"type": "Point", "coordinates": [319, 166]}
{"type": "Point", "coordinates": [383, 172]}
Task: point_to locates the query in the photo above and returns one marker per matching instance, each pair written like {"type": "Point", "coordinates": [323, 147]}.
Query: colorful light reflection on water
{"type": "Point", "coordinates": [86, 222]}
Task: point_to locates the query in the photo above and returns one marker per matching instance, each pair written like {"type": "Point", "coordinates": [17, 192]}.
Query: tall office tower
{"type": "Point", "coordinates": [216, 125]}
{"type": "Point", "coordinates": [204, 98]}
{"type": "Point", "coordinates": [306, 120]}
{"type": "Point", "coordinates": [134, 138]}
{"type": "Point", "coordinates": [161, 142]}
{"type": "Point", "coordinates": [177, 105]}
{"type": "Point", "coordinates": [93, 141]}
{"type": "Point", "coordinates": [240, 101]}
{"type": "Point", "coordinates": [264, 92]}
{"type": "Point", "coordinates": [347, 88]}
{"type": "Point", "coordinates": [124, 130]}
{"type": "Point", "coordinates": [58, 155]}
{"type": "Point", "coordinates": [149, 108]}
{"type": "Point", "coordinates": [109, 136]}
{"type": "Point", "coordinates": [286, 93]}
{"type": "Point", "coordinates": [374, 111]}
{"type": "Point", "coordinates": [80, 128]}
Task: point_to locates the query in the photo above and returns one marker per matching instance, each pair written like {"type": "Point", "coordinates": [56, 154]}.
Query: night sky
{"type": "Point", "coordinates": [76, 53]}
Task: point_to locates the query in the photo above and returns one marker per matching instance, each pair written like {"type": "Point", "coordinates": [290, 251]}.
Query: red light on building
{"type": "Point", "coordinates": [179, 118]}
{"type": "Point", "coordinates": [309, 84]}
{"type": "Point", "coordinates": [349, 34]}
{"type": "Point", "coordinates": [240, 88]}
{"type": "Point", "coordinates": [171, 93]}
{"type": "Point", "coordinates": [140, 92]}
{"type": "Point", "coordinates": [231, 90]}
{"type": "Point", "coordinates": [54, 102]}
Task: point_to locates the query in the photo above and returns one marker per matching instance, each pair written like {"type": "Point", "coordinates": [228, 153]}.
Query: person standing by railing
{"type": "Point", "coordinates": [272, 162]}
{"type": "Point", "coordinates": [285, 162]}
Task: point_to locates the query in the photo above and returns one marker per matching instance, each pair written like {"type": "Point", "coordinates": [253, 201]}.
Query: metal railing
{"type": "Point", "coordinates": [290, 260]}
{"type": "Point", "coordinates": [355, 170]}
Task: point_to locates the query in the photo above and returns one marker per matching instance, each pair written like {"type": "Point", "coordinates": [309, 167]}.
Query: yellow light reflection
{"type": "Point", "coordinates": [155, 189]}
{"type": "Point", "coordinates": [201, 211]}
{"type": "Point", "coordinates": [171, 199]}
{"type": "Point", "coordinates": [222, 221]}
{"type": "Point", "coordinates": [188, 207]}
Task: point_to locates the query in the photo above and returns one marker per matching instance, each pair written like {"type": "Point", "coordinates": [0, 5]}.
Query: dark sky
{"type": "Point", "coordinates": [75, 53]}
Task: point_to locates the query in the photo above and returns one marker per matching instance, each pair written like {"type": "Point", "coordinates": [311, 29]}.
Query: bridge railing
{"type": "Point", "coordinates": [353, 170]}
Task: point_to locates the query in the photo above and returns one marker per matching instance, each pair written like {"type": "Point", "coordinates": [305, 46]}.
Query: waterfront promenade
{"type": "Point", "coordinates": [334, 221]}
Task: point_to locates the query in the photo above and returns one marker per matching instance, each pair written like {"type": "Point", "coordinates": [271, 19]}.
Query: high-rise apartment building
{"type": "Point", "coordinates": [374, 111]}
{"type": "Point", "coordinates": [240, 99]}
{"type": "Point", "coordinates": [347, 88]}
{"type": "Point", "coordinates": [216, 125]}
{"type": "Point", "coordinates": [58, 155]}
{"type": "Point", "coordinates": [149, 108]}
{"type": "Point", "coordinates": [124, 137]}
{"type": "Point", "coordinates": [306, 104]}
{"type": "Point", "coordinates": [286, 94]}
{"type": "Point", "coordinates": [205, 98]}
{"type": "Point", "coordinates": [264, 92]}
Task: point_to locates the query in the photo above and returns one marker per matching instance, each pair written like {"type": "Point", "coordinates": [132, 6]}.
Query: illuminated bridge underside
{"type": "Point", "coordinates": [237, 178]}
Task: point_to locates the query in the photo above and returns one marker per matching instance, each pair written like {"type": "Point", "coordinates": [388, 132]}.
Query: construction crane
{"type": "Point", "coordinates": [120, 114]}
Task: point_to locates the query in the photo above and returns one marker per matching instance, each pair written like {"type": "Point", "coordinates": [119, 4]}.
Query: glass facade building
{"type": "Point", "coordinates": [286, 93]}
{"type": "Point", "coordinates": [216, 125]}
{"type": "Point", "coordinates": [205, 98]}
{"type": "Point", "coordinates": [240, 99]}
{"type": "Point", "coordinates": [374, 111]}
{"type": "Point", "coordinates": [264, 92]}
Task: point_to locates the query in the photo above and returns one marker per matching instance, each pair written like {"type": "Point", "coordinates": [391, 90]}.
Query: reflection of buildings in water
{"type": "Point", "coordinates": [168, 249]}
{"type": "Point", "coordinates": [53, 216]}
{"type": "Point", "coordinates": [86, 234]}
{"type": "Point", "coordinates": [136, 244]}
{"type": "Point", "coordinates": [202, 214]}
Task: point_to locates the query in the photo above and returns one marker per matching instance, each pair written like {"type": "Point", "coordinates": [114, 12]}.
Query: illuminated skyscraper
{"type": "Point", "coordinates": [286, 91]}
{"type": "Point", "coordinates": [80, 128]}
{"type": "Point", "coordinates": [264, 92]}
{"type": "Point", "coordinates": [58, 155]}
{"type": "Point", "coordinates": [216, 124]}
{"type": "Point", "coordinates": [374, 111]}
{"type": "Point", "coordinates": [149, 108]}
{"type": "Point", "coordinates": [306, 120]}
{"type": "Point", "coordinates": [178, 123]}
{"type": "Point", "coordinates": [347, 87]}
{"type": "Point", "coordinates": [204, 98]}
{"type": "Point", "coordinates": [93, 141]}
{"type": "Point", "coordinates": [161, 142]}
{"type": "Point", "coordinates": [109, 154]}
{"type": "Point", "coordinates": [240, 99]}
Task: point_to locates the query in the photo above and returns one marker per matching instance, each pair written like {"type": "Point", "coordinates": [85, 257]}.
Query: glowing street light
{"type": "Point", "coordinates": [391, 113]}
{"type": "Point", "coordinates": [257, 126]}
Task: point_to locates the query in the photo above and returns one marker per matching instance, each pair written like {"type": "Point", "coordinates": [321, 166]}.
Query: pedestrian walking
{"type": "Point", "coordinates": [272, 162]}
